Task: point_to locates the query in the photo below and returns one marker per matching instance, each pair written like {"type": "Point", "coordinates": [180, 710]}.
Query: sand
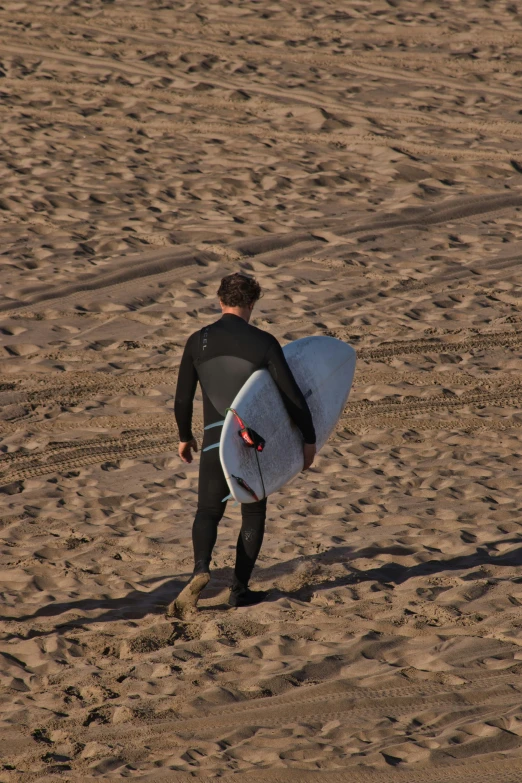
{"type": "Point", "coordinates": [363, 160]}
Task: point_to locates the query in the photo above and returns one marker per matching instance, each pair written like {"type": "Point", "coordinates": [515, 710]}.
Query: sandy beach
{"type": "Point", "coordinates": [363, 160]}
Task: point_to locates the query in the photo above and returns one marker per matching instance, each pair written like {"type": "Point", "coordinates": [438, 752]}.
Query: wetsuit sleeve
{"type": "Point", "coordinates": [292, 395]}
{"type": "Point", "coordinates": [185, 390]}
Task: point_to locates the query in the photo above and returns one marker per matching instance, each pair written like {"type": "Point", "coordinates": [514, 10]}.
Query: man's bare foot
{"type": "Point", "coordinates": [185, 604]}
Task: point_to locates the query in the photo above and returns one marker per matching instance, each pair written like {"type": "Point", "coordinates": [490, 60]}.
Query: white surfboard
{"type": "Point", "coordinates": [323, 368]}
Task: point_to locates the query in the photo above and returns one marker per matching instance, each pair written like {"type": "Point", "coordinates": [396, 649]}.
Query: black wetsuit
{"type": "Point", "coordinates": [222, 356]}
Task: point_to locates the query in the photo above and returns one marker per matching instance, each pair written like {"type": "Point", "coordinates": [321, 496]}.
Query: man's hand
{"type": "Point", "coordinates": [309, 452]}
{"type": "Point", "coordinates": [185, 450]}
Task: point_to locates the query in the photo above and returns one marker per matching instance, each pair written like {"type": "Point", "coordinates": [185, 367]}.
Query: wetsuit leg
{"type": "Point", "coordinates": [211, 491]}
{"type": "Point", "coordinates": [250, 539]}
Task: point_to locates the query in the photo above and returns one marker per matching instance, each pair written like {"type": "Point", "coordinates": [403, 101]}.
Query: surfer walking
{"type": "Point", "coordinates": [222, 356]}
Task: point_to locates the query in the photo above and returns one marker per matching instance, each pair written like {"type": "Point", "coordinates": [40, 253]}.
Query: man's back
{"type": "Point", "coordinates": [222, 356]}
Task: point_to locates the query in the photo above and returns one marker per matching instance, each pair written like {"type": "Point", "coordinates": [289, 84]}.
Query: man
{"type": "Point", "coordinates": [222, 356]}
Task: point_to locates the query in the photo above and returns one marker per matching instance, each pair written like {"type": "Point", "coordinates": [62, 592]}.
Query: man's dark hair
{"type": "Point", "coordinates": [238, 290]}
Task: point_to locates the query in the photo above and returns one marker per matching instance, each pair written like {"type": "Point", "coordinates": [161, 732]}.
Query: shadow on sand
{"type": "Point", "coordinates": [139, 603]}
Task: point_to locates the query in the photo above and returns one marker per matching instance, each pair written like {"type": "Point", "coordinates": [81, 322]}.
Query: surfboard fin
{"type": "Point", "coordinates": [242, 483]}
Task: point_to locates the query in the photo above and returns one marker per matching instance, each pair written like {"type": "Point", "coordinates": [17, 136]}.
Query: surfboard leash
{"type": "Point", "coordinates": [252, 439]}
{"type": "Point", "coordinates": [260, 474]}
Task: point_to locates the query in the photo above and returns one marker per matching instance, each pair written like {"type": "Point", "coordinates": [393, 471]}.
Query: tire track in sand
{"type": "Point", "coordinates": [502, 770]}
{"type": "Point", "coordinates": [263, 97]}
{"type": "Point", "coordinates": [155, 262]}
{"type": "Point", "coordinates": [417, 67]}
{"type": "Point", "coordinates": [342, 138]}
{"type": "Point", "coordinates": [57, 457]}
{"type": "Point", "coordinates": [507, 339]}
{"type": "Point", "coordinates": [320, 704]}
{"type": "Point", "coordinates": [162, 437]}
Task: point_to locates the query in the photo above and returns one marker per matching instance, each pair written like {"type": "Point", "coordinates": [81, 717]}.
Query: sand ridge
{"type": "Point", "coordinates": [362, 160]}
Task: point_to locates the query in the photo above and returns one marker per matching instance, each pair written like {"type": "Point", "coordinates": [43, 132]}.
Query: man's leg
{"type": "Point", "coordinates": [212, 488]}
{"type": "Point", "coordinates": [248, 547]}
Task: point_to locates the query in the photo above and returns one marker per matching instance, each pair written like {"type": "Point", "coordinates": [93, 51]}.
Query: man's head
{"type": "Point", "coordinates": [238, 294]}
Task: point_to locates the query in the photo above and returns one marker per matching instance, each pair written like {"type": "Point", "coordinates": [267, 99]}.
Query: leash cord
{"type": "Point", "coordinates": [260, 474]}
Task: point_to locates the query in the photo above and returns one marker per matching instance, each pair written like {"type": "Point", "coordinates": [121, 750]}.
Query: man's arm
{"type": "Point", "coordinates": [292, 395]}
{"type": "Point", "coordinates": [183, 402]}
